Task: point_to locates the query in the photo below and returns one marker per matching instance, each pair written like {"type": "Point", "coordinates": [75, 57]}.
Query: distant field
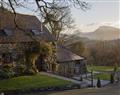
{"type": "Point", "coordinates": [102, 76]}
{"type": "Point", "coordinates": [28, 82]}
{"type": "Point", "coordinates": [101, 68]}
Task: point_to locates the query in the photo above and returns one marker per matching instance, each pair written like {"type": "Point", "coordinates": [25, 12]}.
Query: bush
{"type": "Point", "coordinates": [6, 71]}
{"type": "Point", "coordinates": [5, 74]}
{"type": "Point", "coordinates": [81, 78]}
{"type": "Point", "coordinates": [30, 71]}
{"type": "Point", "coordinates": [20, 69]}
{"type": "Point", "coordinates": [54, 67]}
{"type": "Point", "coordinates": [112, 78]}
{"type": "Point", "coordinates": [98, 83]}
{"type": "Point", "coordinates": [7, 67]}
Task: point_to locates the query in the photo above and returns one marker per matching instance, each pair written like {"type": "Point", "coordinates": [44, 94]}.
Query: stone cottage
{"type": "Point", "coordinates": [69, 63]}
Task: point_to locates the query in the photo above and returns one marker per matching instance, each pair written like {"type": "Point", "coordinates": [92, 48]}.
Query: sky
{"type": "Point", "coordinates": [101, 12]}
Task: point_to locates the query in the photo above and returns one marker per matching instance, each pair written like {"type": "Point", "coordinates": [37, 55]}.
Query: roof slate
{"type": "Point", "coordinates": [65, 55]}
{"type": "Point", "coordinates": [26, 23]}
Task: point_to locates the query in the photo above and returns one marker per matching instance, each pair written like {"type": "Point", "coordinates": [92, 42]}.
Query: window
{"type": "Point", "coordinates": [6, 57]}
{"type": "Point", "coordinates": [8, 32]}
{"type": "Point", "coordinates": [36, 32]}
{"type": "Point", "coordinates": [2, 33]}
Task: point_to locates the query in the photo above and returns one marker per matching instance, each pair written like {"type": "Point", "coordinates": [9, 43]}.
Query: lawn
{"type": "Point", "coordinates": [28, 82]}
{"type": "Point", "coordinates": [102, 76]}
{"type": "Point", "coordinates": [104, 69]}
{"type": "Point", "coordinates": [101, 68]}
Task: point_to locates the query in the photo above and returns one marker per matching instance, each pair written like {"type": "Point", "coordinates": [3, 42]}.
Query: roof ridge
{"type": "Point", "coordinates": [69, 50]}
{"type": "Point", "coordinates": [18, 13]}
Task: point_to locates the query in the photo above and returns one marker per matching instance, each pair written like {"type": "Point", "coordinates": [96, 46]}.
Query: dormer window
{"type": "Point", "coordinates": [36, 32]}
{"type": "Point", "coordinates": [8, 32]}
{"type": "Point", "coordinates": [2, 33]}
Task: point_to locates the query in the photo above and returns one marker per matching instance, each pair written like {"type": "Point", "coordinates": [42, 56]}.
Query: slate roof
{"type": "Point", "coordinates": [25, 22]}
{"type": "Point", "coordinates": [65, 55]}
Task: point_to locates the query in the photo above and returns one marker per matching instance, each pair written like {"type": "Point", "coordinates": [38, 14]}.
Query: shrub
{"type": "Point", "coordinates": [20, 69]}
{"type": "Point", "coordinates": [7, 67]}
{"type": "Point", "coordinates": [118, 79]}
{"type": "Point", "coordinates": [81, 78]}
{"type": "Point", "coordinates": [30, 71]}
{"type": "Point", "coordinates": [98, 83]}
{"type": "Point", "coordinates": [5, 74]}
{"type": "Point", "coordinates": [6, 71]}
{"type": "Point", "coordinates": [112, 78]}
{"type": "Point", "coordinates": [54, 67]}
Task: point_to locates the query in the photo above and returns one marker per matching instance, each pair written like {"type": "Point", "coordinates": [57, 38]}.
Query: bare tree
{"type": "Point", "coordinates": [55, 13]}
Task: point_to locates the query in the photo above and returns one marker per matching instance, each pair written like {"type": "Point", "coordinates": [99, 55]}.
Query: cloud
{"type": "Point", "coordinates": [114, 24]}
{"type": "Point", "coordinates": [112, 1]}
{"type": "Point", "coordinates": [93, 26]}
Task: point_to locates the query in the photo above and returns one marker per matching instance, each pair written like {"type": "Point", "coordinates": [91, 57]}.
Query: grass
{"type": "Point", "coordinates": [104, 69]}
{"type": "Point", "coordinates": [101, 68]}
{"type": "Point", "coordinates": [102, 76]}
{"type": "Point", "coordinates": [28, 82]}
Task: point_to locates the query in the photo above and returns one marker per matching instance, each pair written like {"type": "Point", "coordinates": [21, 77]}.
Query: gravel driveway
{"type": "Point", "coordinates": [110, 90]}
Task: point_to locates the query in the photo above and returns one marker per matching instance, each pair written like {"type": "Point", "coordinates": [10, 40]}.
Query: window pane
{"type": "Point", "coordinates": [8, 32]}
{"type": "Point", "coordinates": [2, 33]}
{"type": "Point", "coordinates": [36, 32]}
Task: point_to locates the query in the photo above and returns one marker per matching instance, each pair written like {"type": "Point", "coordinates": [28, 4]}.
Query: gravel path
{"type": "Point", "coordinates": [60, 77]}
{"type": "Point", "coordinates": [110, 90]}
{"type": "Point", "coordinates": [83, 83]}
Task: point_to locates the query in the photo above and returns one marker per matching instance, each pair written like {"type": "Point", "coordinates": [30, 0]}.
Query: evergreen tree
{"type": "Point", "coordinates": [112, 79]}
{"type": "Point", "coordinates": [99, 83]}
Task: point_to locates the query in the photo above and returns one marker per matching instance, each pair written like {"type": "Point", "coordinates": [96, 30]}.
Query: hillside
{"type": "Point", "coordinates": [103, 33]}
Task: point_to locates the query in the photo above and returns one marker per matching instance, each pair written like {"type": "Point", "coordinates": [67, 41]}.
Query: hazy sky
{"type": "Point", "coordinates": [101, 12]}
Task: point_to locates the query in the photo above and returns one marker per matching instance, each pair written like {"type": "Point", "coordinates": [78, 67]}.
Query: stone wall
{"type": "Point", "coordinates": [72, 68]}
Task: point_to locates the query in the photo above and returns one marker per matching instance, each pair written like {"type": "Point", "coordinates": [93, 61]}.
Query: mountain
{"type": "Point", "coordinates": [103, 33]}
{"type": "Point", "coordinates": [73, 38]}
